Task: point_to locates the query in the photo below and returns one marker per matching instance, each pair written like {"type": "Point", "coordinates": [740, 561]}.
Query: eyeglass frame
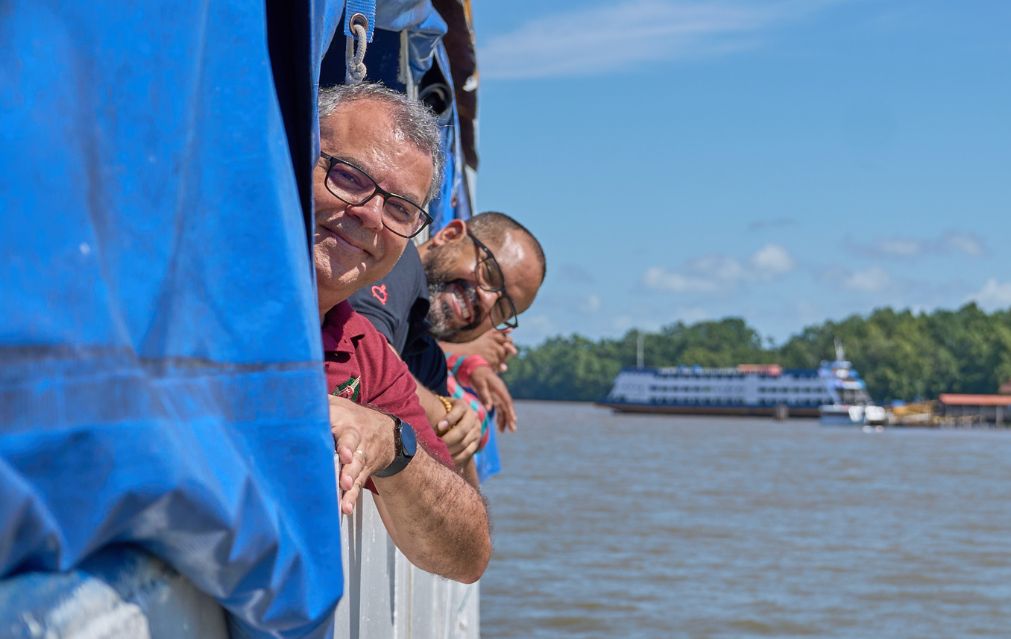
{"type": "Point", "coordinates": [426, 218]}
{"type": "Point", "coordinates": [513, 320]}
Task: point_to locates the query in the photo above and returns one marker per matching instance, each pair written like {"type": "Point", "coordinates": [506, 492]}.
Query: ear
{"type": "Point", "coordinates": [452, 232]}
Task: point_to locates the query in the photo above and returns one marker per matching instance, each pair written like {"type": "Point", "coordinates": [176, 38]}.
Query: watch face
{"type": "Point", "coordinates": [408, 440]}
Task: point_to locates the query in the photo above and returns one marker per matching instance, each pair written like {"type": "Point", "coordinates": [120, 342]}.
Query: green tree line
{"type": "Point", "coordinates": [900, 354]}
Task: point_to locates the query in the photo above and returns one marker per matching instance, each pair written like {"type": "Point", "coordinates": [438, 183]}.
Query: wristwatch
{"type": "Point", "coordinates": [405, 443]}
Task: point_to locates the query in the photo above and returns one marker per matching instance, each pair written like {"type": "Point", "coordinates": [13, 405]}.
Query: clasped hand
{"type": "Point", "coordinates": [363, 438]}
{"type": "Point", "coordinates": [460, 429]}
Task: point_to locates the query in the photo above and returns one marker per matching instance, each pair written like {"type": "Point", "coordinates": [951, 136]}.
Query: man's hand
{"type": "Point", "coordinates": [494, 393]}
{"type": "Point", "coordinates": [364, 441]}
{"type": "Point", "coordinates": [495, 346]}
{"type": "Point", "coordinates": [461, 430]}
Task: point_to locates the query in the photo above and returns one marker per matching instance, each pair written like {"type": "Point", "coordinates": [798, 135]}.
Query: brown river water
{"type": "Point", "coordinates": [609, 525]}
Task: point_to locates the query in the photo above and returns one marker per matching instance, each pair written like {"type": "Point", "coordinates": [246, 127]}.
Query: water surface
{"type": "Point", "coordinates": [610, 525]}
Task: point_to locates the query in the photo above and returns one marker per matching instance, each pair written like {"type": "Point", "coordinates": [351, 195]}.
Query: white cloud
{"type": "Point", "coordinates": [659, 278]}
{"type": "Point", "coordinates": [965, 243]}
{"type": "Point", "coordinates": [772, 260]}
{"type": "Point", "coordinates": [718, 268]}
{"type": "Point", "coordinates": [909, 247]}
{"type": "Point", "coordinates": [713, 273]}
{"type": "Point", "coordinates": [871, 280]}
{"type": "Point", "coordinates": [993, 295]}
{"type": "Point", "coordinates": [609, 37]}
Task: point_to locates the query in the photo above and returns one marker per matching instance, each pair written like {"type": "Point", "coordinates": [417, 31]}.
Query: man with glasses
{"type": "Point", "coordinates": [481, 274]}
{"type": "Point", "coordinates": [468, 279]}
{"type": "Point", "coordinates": [379, 164]}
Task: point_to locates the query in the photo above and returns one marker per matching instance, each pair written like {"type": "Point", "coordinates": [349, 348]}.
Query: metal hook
{"type": "Point", "coordinates": [358, 19]}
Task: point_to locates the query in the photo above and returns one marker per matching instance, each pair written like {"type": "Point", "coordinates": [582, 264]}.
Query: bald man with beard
{"type": "Point", "coordinates": [466, 287]}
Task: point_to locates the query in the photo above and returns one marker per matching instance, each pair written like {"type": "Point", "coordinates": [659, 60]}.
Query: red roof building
{"type": "Point", "coordinates": [975, 409]}
{"type": "Point", "coordinates": [955, 399]}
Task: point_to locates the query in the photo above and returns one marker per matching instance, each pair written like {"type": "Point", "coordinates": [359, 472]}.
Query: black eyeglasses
{"type": "Point", "coordinates": [490, 278]}
{"type": "Point", "coordinates": [351, 185]}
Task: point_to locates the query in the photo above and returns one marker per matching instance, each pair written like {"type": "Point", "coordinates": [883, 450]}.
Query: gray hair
{"type": "Point", "coordinates": [413, 120]}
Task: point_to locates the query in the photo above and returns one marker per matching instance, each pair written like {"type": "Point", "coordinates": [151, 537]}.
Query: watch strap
{"type": "Point", "coordinates": [402, 455]}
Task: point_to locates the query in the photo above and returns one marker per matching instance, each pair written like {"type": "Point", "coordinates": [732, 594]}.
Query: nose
{"type": "Point", "coordinates": [487, 300]}
{"type": "Point", "coordinates": [370, 214]}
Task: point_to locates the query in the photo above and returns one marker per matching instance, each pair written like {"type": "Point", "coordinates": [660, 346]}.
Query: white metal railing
{"type": "Point", "coordinates": [386, 597]}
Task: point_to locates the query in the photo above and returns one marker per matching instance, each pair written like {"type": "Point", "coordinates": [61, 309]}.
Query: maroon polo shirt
{"type": "Point", "coordinates": [361, 366]}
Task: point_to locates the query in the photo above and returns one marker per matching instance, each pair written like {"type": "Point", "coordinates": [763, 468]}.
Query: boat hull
{"type": "Point", "coordinates": [736, 411]}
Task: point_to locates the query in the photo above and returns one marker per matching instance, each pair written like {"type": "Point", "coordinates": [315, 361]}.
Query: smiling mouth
{"type": "Point", "coordinates": [461, 303]}
{"type": "Point", "coordinates": [341, 239]}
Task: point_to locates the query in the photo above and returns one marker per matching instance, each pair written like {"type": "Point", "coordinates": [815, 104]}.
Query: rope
{"type": "Point", "coordinates": [354, 53]}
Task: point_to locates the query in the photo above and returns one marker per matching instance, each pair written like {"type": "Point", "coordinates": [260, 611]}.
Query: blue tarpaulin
{"type": "Point", "coordinates": [160, 376]}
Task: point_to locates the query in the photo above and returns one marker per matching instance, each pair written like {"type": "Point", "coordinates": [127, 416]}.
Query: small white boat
{"type": "Point", "coordinates": [852, 415]}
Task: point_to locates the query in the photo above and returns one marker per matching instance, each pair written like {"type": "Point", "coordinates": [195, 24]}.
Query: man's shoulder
{"type": "Point", "coordinates": [373, 350]}
{"type": "Point", "coordinates": [404, 284]}
{"type": "Point", "coordinates": [393, 302]}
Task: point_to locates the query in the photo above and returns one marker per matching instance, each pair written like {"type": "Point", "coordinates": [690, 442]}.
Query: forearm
{"type": "Point", "coordinates": [470, 473]}
{"type": "Point", "coordinates": [435, 410]}
{"type": "Point", "coordinates": [436, 519]}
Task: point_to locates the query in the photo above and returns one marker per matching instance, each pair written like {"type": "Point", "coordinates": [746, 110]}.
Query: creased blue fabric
{"type": "Point", "coordinates": [424, 26]}
{"type": "Point", "coordinates": [160, 376]}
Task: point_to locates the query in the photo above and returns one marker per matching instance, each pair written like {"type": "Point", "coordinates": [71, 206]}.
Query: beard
{"type": "Point", "coordinates": [441, 318]}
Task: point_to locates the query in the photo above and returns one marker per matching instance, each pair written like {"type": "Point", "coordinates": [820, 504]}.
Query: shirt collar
{"type": "Point", "coordinates": [339, 329]}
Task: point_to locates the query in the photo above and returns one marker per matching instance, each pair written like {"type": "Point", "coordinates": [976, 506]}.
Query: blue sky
{"type": "Point", "coordinates": [786, 162]}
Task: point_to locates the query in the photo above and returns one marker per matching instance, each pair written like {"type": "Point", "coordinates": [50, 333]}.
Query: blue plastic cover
{"type": "Point", "coordinates": [450, 202]}
{"type": "Point", "coordinates": [424, 27]}
{"type": "Point", "coordinates": [487, 459]}
{"type": "Point", "coordinates": [160, 376]}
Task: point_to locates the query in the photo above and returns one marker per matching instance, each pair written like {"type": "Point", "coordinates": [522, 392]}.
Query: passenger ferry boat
{"type": "Point", "coordinates": [833, 392]}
